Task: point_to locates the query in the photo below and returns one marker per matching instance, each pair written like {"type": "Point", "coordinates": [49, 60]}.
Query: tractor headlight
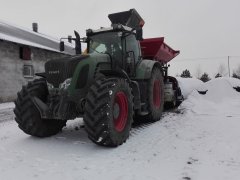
{"type": "Point", "coordinates": [65, 84]}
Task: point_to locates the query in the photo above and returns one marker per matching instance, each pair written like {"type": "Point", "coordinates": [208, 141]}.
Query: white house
{"type": "Point", "coordinates": [22, 54]}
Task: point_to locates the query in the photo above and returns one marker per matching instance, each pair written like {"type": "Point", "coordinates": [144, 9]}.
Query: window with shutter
{"type": "Point", "coordinates": [25, 53]}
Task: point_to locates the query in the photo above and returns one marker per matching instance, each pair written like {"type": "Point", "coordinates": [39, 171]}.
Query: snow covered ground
{"type": "Point", "coordinates": [199, 141]}
{"type": "Point", "coordinates": [188, 85]}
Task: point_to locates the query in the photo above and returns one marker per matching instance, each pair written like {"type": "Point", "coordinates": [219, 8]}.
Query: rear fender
{"type": "Point", "coordinates": [144, 69]}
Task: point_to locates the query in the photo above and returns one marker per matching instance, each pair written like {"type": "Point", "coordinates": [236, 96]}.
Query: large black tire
{"type": "Point", "coordinates": [109, 112]}
{"type": "Point", "coordinates": [28, 116]}
{"type": "Point", "coordinates": [179, 93]}
{"type": "Point", "coordinates": [155, 97]}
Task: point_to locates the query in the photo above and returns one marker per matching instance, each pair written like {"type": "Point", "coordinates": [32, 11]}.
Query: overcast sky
{"type": "Point", "coordinates": [198, 28]}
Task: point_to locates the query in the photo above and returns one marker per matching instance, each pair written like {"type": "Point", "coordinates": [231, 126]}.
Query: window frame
{"type": "Point", "coordinates": [30, 69]}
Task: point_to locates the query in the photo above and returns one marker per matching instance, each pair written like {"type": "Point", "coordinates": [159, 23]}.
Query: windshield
{"type": "Point", "coordinates": [109, 43]}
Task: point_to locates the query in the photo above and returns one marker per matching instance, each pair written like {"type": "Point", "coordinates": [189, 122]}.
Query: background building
{"type": "Point", "coordinates": [22, 54]}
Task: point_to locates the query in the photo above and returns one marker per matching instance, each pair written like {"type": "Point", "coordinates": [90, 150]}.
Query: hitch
{"type": "Point", "coordinates": [42, 107]}
{"type": "Point", "coordinates": [56, 110]}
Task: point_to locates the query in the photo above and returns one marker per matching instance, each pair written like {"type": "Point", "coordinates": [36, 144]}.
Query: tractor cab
{"type": "Point", "coordinates": [118, 42]}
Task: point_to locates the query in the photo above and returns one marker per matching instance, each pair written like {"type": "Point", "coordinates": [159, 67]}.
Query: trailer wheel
{"type": "Point", "coordinates": [155, 97]}
{"type": "Point", "coordinates": [28, 116]}
{"type": "Point", "coordinates": [109, 112]}
{"type": "Point", "coordinates": [170, 105]}
{"type": "Point", "coordinates": [180, 97]}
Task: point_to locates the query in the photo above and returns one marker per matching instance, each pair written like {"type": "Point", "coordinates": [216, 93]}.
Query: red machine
{"type": "Point", "coordinates": [157, 49]}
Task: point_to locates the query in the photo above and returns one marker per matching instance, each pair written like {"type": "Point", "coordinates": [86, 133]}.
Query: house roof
{"type": "Point", "coordinates": [20, 35]}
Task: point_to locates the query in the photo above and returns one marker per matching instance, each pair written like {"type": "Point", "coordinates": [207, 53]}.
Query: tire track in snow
{"type": "Point", "coordinates": [6, 115]}
{"type": "Point", "coordinates": [140, 126]}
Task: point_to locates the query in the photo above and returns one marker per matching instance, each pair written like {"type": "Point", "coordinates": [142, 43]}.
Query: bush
{"type": "Point", "coordinates": [186, 74]}
{"type": "Point", "coordinates": [205, 77]}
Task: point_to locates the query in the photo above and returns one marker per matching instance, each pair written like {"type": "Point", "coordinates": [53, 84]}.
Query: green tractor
{"type": "Point", "coordinates": [109, 85]}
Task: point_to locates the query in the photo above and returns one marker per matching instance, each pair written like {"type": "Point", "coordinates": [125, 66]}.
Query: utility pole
{"type": "Point", "coordinates": [228, 67]}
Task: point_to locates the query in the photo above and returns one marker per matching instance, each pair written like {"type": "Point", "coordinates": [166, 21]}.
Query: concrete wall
{"type": "Point", "coordinates": [11, 68]}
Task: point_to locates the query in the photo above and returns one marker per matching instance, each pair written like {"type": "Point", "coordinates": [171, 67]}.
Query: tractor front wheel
{"type": "Point", "coordinates": [28, 116]}
{"type": "Point", "coordinates": [109, 112]}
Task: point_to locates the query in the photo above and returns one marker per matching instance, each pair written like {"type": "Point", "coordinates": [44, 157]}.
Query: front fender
{"type": "Point", "coordinates": [84, 73]}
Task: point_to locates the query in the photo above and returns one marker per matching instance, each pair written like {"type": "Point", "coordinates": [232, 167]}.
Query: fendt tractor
{"type": "Point", "coordinates": [118, 79]}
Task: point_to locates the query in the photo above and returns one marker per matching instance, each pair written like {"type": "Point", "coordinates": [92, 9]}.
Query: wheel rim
{"type": "Point", "coordinates": [156, 93]}
{"type": "Point", "coordinates": [120, 111]}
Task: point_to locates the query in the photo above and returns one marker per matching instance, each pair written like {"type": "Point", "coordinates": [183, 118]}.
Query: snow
{"type": "Point", "coordinates": [187, 85]}
{"type": "Point", "coordinates": [7, 106]}
{"type": "Point", "coordinates": [22, 41]}
{"type": "Point", "coordinates": [17, 27]}
{"type": "Point", "coordinates": [199, 140]}
{"type": "Point", "coordinates": [21, 35]}
{"type": "Point", "coordinates": [216, 93]}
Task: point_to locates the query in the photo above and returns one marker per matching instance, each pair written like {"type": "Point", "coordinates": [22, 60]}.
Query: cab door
{"type": "Point", "coordinates": [132, 54]}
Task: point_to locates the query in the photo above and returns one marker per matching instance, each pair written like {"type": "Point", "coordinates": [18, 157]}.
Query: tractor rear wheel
{"type": "Point", "coordinates": [28, 116]}
{"type": "Point", "coordinates": [155, 97]}
{"type": "Point", "coordinates": [109, 112]}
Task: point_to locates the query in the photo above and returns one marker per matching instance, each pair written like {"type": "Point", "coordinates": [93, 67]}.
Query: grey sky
{"type": "Point", "coordinates": [203, 28]}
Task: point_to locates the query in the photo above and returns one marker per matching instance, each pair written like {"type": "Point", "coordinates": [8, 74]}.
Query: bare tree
{"type": "Point", "coordinates": [236, 72]}
{"type": "Point", "coordinates": [198, 72]}
{"type": "Point", "coordinates": [222, 70]}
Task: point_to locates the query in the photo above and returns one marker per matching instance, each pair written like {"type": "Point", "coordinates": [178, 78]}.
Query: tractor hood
{"type": "Point", "coordinates": [58, 70]}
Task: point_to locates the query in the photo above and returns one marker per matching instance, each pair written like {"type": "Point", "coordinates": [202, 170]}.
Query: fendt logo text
{"type": "Point", "coordinates": [53, 72]}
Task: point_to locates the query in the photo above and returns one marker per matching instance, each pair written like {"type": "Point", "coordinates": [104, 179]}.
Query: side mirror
{"type": "Point", "coordinates": [61, 46]}
{"type": "Point", "coordinates": [139, 34]}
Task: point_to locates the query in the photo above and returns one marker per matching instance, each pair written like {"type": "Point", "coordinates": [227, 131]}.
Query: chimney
{"type": "Point", "coordinates": [35, 27]}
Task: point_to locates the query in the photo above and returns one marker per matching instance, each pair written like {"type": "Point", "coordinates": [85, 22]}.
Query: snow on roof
{"type": "Point", "coordinates": [20, 35]}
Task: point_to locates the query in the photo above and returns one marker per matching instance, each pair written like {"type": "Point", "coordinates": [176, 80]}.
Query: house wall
{"type": "Point", "coordinates": [11, 68]}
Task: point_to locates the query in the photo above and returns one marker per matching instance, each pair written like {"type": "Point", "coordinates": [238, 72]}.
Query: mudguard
{"type": "Point", "coordinates": [144, 69]}
{"type": "Point", "coordinates": [85, 72]}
